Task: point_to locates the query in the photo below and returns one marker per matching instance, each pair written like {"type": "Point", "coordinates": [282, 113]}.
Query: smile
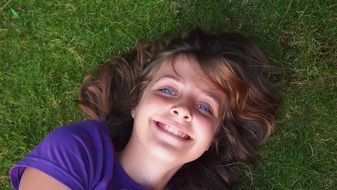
{"type": "Point", "coordinates": [173, 130]}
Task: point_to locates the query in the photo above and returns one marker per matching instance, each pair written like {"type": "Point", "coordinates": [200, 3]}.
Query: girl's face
{"type": "Point", "coordinates": [178, 113]}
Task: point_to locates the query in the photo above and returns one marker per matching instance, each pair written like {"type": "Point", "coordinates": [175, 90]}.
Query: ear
{"type": "Point", "coordinates": [213, 144]}
{"type": "Point", "coordinates": [209, 146]}
{"type": "Point", "coordinates": [133, 113]}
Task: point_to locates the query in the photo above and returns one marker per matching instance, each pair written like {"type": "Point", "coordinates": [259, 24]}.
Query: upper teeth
{"type": "Point", "coordinates": [175, 131]}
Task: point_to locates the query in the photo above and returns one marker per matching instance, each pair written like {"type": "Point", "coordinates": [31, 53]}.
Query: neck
{"type": "Point", "coordinates": [144, 169]}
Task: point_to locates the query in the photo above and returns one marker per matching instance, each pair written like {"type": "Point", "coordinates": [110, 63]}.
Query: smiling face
{"type": "Point", "coordinates": [178, 113]}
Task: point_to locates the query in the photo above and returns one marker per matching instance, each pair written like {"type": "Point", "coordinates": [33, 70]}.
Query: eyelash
{"type": "Point", "coordinates": [202, 107]}
{"type": "Point", "coordinates": [168, 91]}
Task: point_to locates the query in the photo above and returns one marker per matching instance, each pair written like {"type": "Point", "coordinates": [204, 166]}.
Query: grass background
{"type": "Point", "coordinates": [47, 47]}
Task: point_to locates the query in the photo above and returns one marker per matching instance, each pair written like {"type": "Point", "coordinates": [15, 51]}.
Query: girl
{"type": "Point", "coordinates": [174, 114]}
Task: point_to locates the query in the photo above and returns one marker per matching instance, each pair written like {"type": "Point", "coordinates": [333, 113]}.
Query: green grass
{"type": "Point", "coordinates": [48, 48]}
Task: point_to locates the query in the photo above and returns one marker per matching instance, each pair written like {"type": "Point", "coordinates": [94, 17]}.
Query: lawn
{"type": "Point", "coordinates": [47, 47]}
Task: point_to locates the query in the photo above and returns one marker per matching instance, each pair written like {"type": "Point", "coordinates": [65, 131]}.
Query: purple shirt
{"type": "Point", "coordinates": [79, 155]}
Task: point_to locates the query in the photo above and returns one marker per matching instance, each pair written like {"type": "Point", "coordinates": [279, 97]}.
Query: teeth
{"type": "Point", "coordinates": [173, 131]}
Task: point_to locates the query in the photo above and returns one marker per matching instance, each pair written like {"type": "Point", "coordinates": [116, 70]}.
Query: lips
{"type": "Point", "coordinates": [173, 130]}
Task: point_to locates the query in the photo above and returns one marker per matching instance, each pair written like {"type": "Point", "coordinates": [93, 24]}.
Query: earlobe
{"type": "Point", "coordinates": [214, 143]}
{"type": "Point", "coordinates": [207, 148]}
{"type": "Point", "coordinates": [133, 113]}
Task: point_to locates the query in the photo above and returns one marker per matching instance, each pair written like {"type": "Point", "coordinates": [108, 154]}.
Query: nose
{"type": "Point", "coordinates": [181, 112]}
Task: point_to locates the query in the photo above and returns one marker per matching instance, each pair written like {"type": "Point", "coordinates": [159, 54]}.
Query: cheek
{"type": "Point", "coordinates": [206, 129]}
{"type": "Point", "coordinates": [152, 104]}
{"type": "Point", "coordinates": [156, 100]}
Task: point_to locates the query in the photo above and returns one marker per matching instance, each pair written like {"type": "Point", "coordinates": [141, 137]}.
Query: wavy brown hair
{"type": "Point", "coordinates": [236, 65]}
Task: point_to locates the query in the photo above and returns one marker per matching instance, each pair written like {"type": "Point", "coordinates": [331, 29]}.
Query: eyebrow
{"type": "Point", "coordinates": [207, 93]}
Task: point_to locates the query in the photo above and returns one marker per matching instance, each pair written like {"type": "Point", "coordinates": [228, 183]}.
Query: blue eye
{"type": "Point", "coordinates": [204, 108]}
{"type": "Point", "coordinates": [168, 91]}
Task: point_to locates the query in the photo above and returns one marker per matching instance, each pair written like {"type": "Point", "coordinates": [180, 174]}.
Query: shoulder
{"type": "Point", "coordinates": [80, 129]}
{"type": "Point", "coordinates": [76, 138]}
{"type": "Point", "coordinates": [83, 130]}
{"type": "Point", "coordinates": [74, 154]}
